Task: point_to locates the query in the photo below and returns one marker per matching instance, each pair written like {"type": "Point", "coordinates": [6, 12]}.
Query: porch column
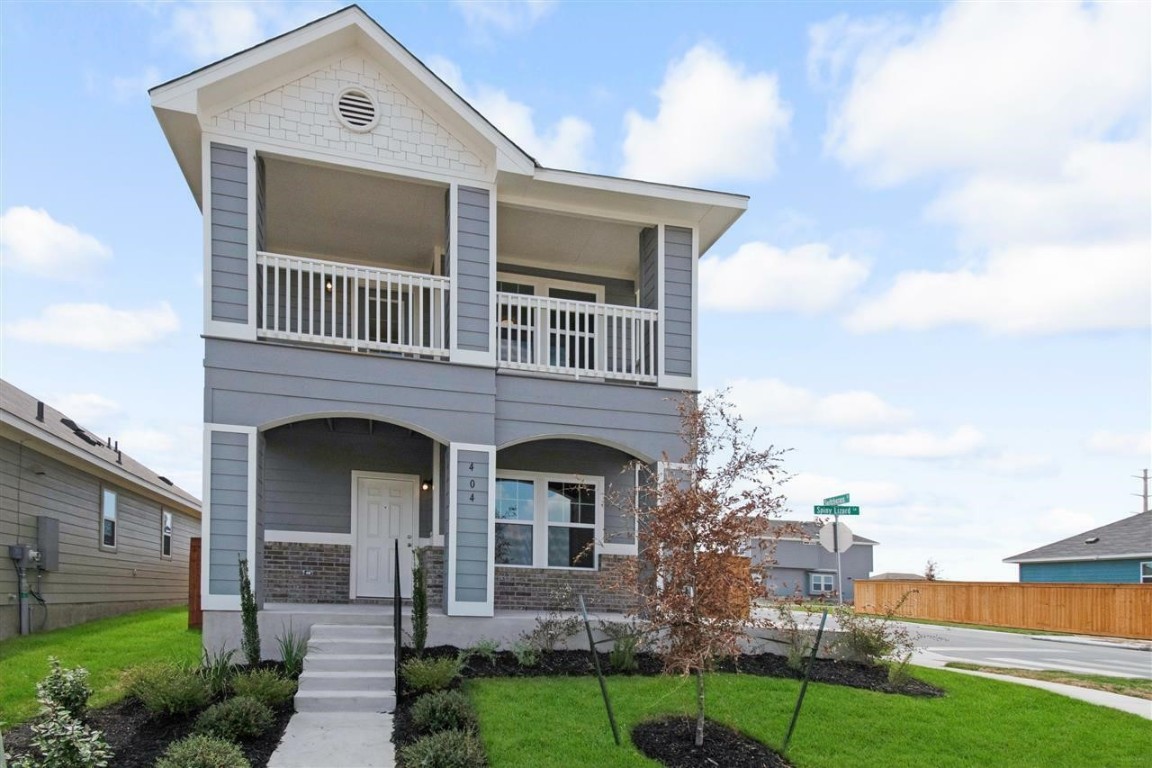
{"type": "Point", "coordinates": [677, 276]}
{"type": "Point", "coordinates": [472, 265]}
{"type": "Point", "coordinates": [232, 203]}
{"type": "Point", "coordinates": [471, 534]}
{"type": "Point", "coordinates": [229, 514]}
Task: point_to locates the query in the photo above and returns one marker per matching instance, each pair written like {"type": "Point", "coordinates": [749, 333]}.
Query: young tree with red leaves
{"type": "Point", "coordinates": [697, 520]}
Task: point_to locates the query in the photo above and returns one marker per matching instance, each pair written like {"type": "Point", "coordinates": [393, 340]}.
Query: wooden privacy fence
{"type": "Point", "coordinates": [1110, 610]}
{"type": "Point", "coordinates": [195, 614]}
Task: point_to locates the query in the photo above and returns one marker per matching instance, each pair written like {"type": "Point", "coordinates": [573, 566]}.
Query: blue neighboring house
{"type": "Point", "coordinates": [1117, 553]}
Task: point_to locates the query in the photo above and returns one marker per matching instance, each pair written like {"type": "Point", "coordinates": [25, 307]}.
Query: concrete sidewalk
{"type": "Point", "coordinates": [336, 740]}
{"type": "Point", "coordinates": [1130, 704]}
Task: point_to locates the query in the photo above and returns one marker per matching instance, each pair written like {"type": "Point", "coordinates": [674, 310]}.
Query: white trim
{"type": "Point", "coordinates": [661, 330]}
{"type": "Point", "coordinates": [540, 520]}
{"type": "Point", "coordinates": [645, 188]}
{"type": "Point", "coordinates": [306, 537]}
{"type": "Point", "coordinates": [1082, 559]}
{"type": "Point", "coordinates": [357, 475]}
{"type": "Point", "coordinates": [208, 600]}
{"type": "Point", "coordinates": [437, 538]}
{"type": "Point", "coordinates": [462, 608]}
{"type": "Point", "coordinates": [253, 229]}
{"type": "Point", "coordinates": [542, 285]}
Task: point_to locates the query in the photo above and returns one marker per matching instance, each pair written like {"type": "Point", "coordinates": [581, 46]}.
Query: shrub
{"type": "Point", "coordinates": [217, 670]}
{"type": "Point", "coordinates": [293, 648]}
{"type": "Point", "coordinates": [200, 751]}
{"type": "Point", "coordinates": [554, 626]}
{"type": "Point", "coordinates": [62, 741]}
{"type": "Point", "coordinates": [526, 654]}
{"type": "Point", "coordinates": [168, 689]}
{"type": "Point", "coordinates": [485, 648]}
{"type": "Point", "coordinates": [422, 674]}
{"type": "Point", "coordinates": [799, 641]}
{"type": "Point", "coordinates": [872, 640]}
{"type": "Point", "coordinates": [250, 639]}
{"type": "Point", "coordinates": [443, 711]}
{"type": "Point", "coordinates": [625, 639]}
{"type": "Point", "coordinates": [264, 685]}
{"type": "Point", "coordinates": [241, 717]}
{"type": "Point", "coordinates": [67, 688]}
{"type": "Point", "coordinates": [419, 603]}
{"type": "Point", "coordinates": [447, 749]}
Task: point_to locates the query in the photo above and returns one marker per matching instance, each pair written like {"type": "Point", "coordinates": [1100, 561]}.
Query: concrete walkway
{"type": "Point", "coordinates": [336, 740]}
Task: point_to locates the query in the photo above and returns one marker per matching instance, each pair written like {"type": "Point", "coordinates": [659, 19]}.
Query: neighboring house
{"type": "Point", "coordinates": [898, 576]}
{"type": "Point", "coordinates": [1117, 553]}
{"type": "Point", "coordinates": [112, 534]}
{"type": "Point", "coordinates": [416, 333]}
{"type": "Point", "coordinates": [800, 566]}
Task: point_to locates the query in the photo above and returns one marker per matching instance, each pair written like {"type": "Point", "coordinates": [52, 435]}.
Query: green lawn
{"type": "Point", "coordinates": [1138, 687]}
{"type": "Point", "coordinates": [105, 647]}
{"type": "Point", "coordinates": [560, 723]}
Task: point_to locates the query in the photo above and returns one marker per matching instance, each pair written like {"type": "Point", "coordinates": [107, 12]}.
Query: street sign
{"type": "Point", "coordinates": [843, 498]}
{"type": "Point", "coordinates": [837, 510]}
{"type": "Point", "coordinates": [836, 537]}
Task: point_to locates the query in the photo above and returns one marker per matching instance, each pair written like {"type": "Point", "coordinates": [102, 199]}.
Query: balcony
{"type": "Point", "coordinates": [577, 338]}
{"type": "Point", "coordinates": [355, 307]}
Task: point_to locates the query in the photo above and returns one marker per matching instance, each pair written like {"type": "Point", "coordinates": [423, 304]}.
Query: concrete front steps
{"type": "Point", "coordinates": [348, 668]}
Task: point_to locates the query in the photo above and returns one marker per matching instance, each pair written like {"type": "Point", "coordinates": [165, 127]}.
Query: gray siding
{"type": "Point", "coordinates": [307, 471]}
{"type": "Point", "coordinates": [254, 384]}
{"type": "Point", "coordinates": [473, 260]}
{"type": "Point", "coordinates": [640, 420]}
{"type": "Point", "coordinates": [472, 473]}
{"type": "Point", "coordinates": [616, 291]}
{"type": "Point", "coordinates": [677, 317]}
{"type": "Point", "coordinates": [229, 233]}
{"type": "Point", "coordinates": [649, 269]}
{"type": "Point", "coordinates": [228, 510]}
{"type": "Point", "coordinates": [90, 582]}
{"type": "Point", "coordinates": [794, 560]}
{"type": "Point", "coordinates": [572, 457]}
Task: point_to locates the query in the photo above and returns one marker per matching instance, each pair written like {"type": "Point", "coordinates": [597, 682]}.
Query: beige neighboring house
{"type": "Point", "coordinates": [111, 535]}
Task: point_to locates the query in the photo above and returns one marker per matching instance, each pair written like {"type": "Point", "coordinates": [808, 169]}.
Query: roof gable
{"type": "Point", "coordinates": [1129, 537]}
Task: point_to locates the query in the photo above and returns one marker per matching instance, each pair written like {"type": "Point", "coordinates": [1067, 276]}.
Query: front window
{"type": "Point", "coordinates": [1146, 573]}
{"type": "Point", "coordinates": [166, 534]}
{"type": "Point", "coordinates": [820, 583]}
{"type": "Point", "coordinates": [108, 518]}
{"type": "Point", "coordinates": [544, 521]}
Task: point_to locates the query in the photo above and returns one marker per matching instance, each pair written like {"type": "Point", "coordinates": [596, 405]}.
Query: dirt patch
{"type": "Point", "coordinates": [672, 742]}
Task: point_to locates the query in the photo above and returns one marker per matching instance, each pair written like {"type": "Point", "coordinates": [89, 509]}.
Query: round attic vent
{"type": "Point", "coordinates": [356, 110]}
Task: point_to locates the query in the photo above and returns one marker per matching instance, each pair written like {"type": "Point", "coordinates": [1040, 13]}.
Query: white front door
{"type": "Point", "coordinates": [385, 512]}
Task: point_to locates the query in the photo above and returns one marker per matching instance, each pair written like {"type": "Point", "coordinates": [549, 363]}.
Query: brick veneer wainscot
{"type": "Point", "coordinates": [306, 573]}
{"type": "Point", "coordinates": [534, 588]}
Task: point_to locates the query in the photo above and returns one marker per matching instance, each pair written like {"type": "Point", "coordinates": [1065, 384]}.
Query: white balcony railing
{"type": "Point", "coordinates": [366, 308]}
{"type": "Point", "coordinates": [576, 337]}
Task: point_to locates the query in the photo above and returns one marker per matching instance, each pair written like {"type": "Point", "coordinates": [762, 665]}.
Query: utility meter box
{"type": "Point", "coordinates": [48, 542]}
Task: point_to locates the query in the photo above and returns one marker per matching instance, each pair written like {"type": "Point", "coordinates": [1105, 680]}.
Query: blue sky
{"type": "Point", "coordinates": [939, 297]}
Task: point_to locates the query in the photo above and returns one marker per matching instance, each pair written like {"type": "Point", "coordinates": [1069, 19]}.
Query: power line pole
{"type": "Point", "coordinates": [1143, 476]}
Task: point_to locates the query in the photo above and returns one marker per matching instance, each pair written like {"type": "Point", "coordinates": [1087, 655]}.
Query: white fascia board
{"type": "Point", "coordinates": [1081, 559]}
{"type": "Point", "coordinates": [19, 430]}
{"type": "Point", "coordinates": [643, 188]}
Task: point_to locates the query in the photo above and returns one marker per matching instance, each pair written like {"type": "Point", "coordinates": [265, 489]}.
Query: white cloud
{"type": "Point", "coordinates": [1021, 465]}
{"type": "Point", "coordinates": [774, 403]}
{"type": "Point", "coordinates": [918, 444]}
{"type": "Point", "coordinates": [96, 327]}
{"type": "Point", "coordinates": [567, 143]}
{"type": "Point", "coordinates": [1034, 117]}
{"type": "Point", "coordinates": [208, 31]}
{"type": "Point", "coordinates": [807, 488]}
{"type": "Point", "coordinates": [32, 241]}
{"type": "Point", "coordinates": [1121, 443]}
{"type": "Point", "coordinates": [508, 16]}
{"type": "Point", "coordinates": [715, 122]}
{"type": "Point", "coordinates": [140, 442]}
{"type": "Point", "coordinates": [761, 277]}
{"type": "Point", "coordinates": [85, 407]}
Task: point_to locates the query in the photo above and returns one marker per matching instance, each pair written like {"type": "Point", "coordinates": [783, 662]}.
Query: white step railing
{"type": "Point", "coordinates": [326, 302]}
{"type": "Point", "coordinates": [576, 337]}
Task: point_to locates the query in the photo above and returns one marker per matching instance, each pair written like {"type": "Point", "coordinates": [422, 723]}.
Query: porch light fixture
{"type": "Point", "coordinates": [426, 485]}
{"type": "Point", "coordinates": [328, 285]}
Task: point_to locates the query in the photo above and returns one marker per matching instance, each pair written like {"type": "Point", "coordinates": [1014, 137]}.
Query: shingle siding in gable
{"type": "Point", "coordinates": [229, 214]}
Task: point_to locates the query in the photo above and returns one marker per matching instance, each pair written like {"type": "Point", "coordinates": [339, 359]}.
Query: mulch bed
{"type": "Point", "coordinates": [672, 742]}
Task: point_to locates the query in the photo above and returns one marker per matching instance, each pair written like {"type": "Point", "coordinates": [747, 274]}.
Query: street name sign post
{"type": "Point", "coordinates": [837, 506]}
{"type": "Point", "coordinates": [827, 509]}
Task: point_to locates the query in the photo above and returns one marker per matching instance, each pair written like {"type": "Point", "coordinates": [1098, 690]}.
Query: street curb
{"type": "Point", "coordinates": [1133, 645]}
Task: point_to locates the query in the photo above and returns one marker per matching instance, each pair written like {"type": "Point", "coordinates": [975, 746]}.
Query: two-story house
{"type": "Point", "coordinates": [413, 331]}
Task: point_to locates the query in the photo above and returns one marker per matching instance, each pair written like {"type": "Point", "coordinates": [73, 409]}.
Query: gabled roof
{"type": "Point", "coordinates": [1127, 538]}
{"type": "Point", "coordinates": [807, 530]}
{"type": "Point", "coordinates": [180, 103]}
{"type": "Point", "coordinates": [62, 438]}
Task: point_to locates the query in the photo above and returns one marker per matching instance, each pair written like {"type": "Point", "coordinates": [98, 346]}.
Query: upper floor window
{"type": "Point", "coordinates": [1146, 573]}
{"type": "Point", "coordinates": [108, 518]}
{"type": "Point", "coordinates": [548, 521]}
{"type": "Point", "coordinates": [165, 534]}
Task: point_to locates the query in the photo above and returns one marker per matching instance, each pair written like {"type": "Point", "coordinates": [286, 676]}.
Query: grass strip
{"type": "Point", "coordinates": [1127, 686]}
{"type": "Point", "coordinates": [105, 647]}
{"type": "Point", "coordinates": [559, 723]}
